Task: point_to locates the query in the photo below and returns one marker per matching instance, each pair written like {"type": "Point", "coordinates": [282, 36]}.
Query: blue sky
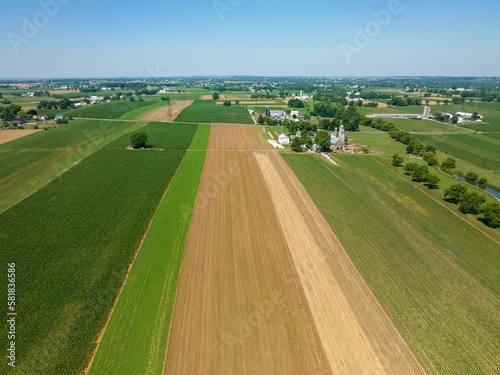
{"type": "Point", "coordinates": [77, 38]}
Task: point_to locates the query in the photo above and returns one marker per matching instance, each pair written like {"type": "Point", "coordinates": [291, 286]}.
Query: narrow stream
{"type": "Point", "coordinates": [491, 191]}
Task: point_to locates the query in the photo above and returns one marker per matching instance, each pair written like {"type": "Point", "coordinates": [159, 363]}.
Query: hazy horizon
{"type": "Point", "coordinates": [50, 39]}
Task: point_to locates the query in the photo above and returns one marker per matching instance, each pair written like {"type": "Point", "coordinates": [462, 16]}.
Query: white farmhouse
{"type": "Point", "coordinates": [284, 139]}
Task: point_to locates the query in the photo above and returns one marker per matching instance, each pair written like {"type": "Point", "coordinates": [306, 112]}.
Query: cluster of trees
{"type": "Point", "coordinates": [296, 103]}
{"type": "Point", "coordinates": [327, 109]}
{"type": "Point", "coordinates": [10, 112]}
{"type": "Point", "coordinates": [350, 117]}
{"type": "Point", "coordinates": [376, 95]}
{"type": "Point", "coordinates": [397, 101]}
{"type": "Point", "coordinates": [297, 144]}
{"type": "Point", "coordinates": [378, 124]}
{"type": "Point", "coordinates": [304, 126]}
{"type": "Point", "coordinates": [329, 124]}
{"type": "Point", "coordinates": [61, 104]}
{"type": "Point", "coordinates": [146, 92]}
{"type": "Point", "coordinates": [370, 105]}
{"type": "Point", "coordinates": [418, 172]}
{"type": "Point", "coordinates": [472, 203]}
{"type": "Point", "coordinates": [165, 98]}
{"type": "Point", "coordinates": [337, 95]}
{"type": "Point", "coordinates": [263, 95]}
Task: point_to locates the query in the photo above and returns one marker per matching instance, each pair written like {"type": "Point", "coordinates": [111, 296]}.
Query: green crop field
{"type": "Point", "coordinates": [135, 339]}
{"type": "Point", "coordinates": [27, 164]}
{"type": "Point", "coordinates": [424, 126]}
{"type": "Point", "coordinates": [206, 111]}
{"type": "Point", "coordinates": [475, 148]}
{"type": "Point", "coordinates": [162, 135]}
{"type": "Point", "coordinates": [111, 110]}
{"type": "Point", "coordinates": [77, 236]}
{"type": "Point", "coordinates": [435, 271]}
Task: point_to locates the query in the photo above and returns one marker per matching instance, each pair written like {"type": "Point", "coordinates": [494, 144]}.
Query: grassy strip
{"type": "Point", "coordinates": [436, 272]}
{"type": "Point", "coordinates": [135, 339]}
{"type": "Point", "coordinates": [28, 164]}
{"type": "Point", "coordinates": [206, 111]}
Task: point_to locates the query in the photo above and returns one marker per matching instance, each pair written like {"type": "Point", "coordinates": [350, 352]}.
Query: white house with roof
{"type": "Point", "coordinates": [295, 116]}
{"type": "Point", "coordinates": [284, 139]}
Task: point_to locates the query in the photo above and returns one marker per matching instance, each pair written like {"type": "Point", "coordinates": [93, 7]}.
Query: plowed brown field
{"type": "Point", "coordinates": [265, 285]}
{"type": "Point", "coordinates": [167, 113]}
{"type": "Point", "coordinates": [11, 135]}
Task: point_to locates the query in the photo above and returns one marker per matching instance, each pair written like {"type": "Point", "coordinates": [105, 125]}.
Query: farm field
{"type": "Point", "coordinates": [441, 292]}
{"type": "Point", "coordinates": [475, 148]}
{"type": "Point", "coordinates": [378, 141]}
{"type": "Point", "coordinates": [29, 163]}
{"type": "Point", "coordinates": [259, 304]}
{"type": "Point", "coordinates": [135, 338]}
{"type": "Point", "coordinates": [111, 110]}
{"type": "Point", "coordinates": [11, 135]}
{"type": "Point", "coordinates": [79, 249]}
{"type": "Point", "coordinates": [381, 142]}
{"type": "Point", "coordinates": [424, 126]}
{"type": "Point", "coordinates": [206, 111]}
{"type": "Point", "coordinates": [165, 112]}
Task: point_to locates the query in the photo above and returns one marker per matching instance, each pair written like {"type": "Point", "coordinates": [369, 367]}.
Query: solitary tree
{"type": "Point", "coordinates": [322, 139]}
{"type": "Point", "coordinates": [449, 163]}
{"type": "Point", "coordinates": [397, 160]}
{"type": "Point", "coordinates": [261, 120]}
{"type": "Point", "coordinates": [471, 177]}
{"type": "Point", "coordinates": [432, 181]}
{"type": "Point", "coordinates": [139, 140]}
{"type": "Point", "coordinates": [216, 95]}
{"type": "Point", "coordinates": [296, 145]}
{"type": "Point", "coordinates": [227, 103]}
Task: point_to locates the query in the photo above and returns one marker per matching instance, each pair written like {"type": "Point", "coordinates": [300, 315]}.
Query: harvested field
{"type": "Point", "coordinates": [207, 97]}
{"type": "Point", "coordinates": [10, 135]}
{"type": "Point", "coordinates": [352, 324]}
{"type": "Point", "coordinates": [265, 286]}
{"type": "Point", "coordinates": [166, 113]}
{"type": "Point", "coordinates": [240, 307]}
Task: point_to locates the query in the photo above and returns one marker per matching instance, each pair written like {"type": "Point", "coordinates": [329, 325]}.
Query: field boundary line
{"type": "Point", "coordinates": [129, 268]}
